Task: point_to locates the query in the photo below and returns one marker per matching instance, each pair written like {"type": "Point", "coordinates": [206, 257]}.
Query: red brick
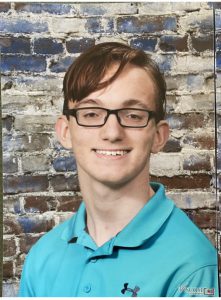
{"type": "Point", "coordinates": [201, 141]}
{"type": "Point", "coordinates": [203, 218]}
{"type": "Point", "coordinates": [147, 24]}
{"type": "Point", "coordinates": [19, 263]}
{"type": "Point", "coordinates": [22, 142]}
{"type": "Point", "coordinates": [7, 122]}
{"type": "Point", "coordinates": [187, 121]}
{"type": "Point", "coordinates": [69, 203]}
{"type": "Point", "coordinates": [61, 183]}
{"type": "Point", "coordinates": [12, 204]}
{"type": "Point", "coordinates": [35, 224]}
{"type": "Point", "coordinates": [173, 43]}
{"type": "Point", "coordinates": [4, 7]}
{"type": "Point", "coordinates": [9, 247]}
{"type": "Point", "coordinates": [197, 163]}
{"type": "Point", "coordinates": [26, 241]}
{"type": "Point", "coordinates": [10, 225]}
{"type": "Point", "coordinates": [8, 269]}
{"type": "Point", "coordinates": [202, 43]}
{"type": "Point", "coordinates": [10, 164]}
{"type": "Point", "coordinates": [25, 184]}
{"type": "Point", "coordinates": [198, 181]}
{"type": "Point", "coordinates": [36, 203]}
{"type": "Point", "coordinates": [172, 145]}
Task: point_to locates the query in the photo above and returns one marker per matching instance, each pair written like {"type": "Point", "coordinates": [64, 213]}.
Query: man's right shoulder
{"type": "Point", "coordinates": [54, 239]}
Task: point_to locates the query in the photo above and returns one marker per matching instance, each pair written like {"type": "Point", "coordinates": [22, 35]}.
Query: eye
{"type": "Point", "coordinates": [135, 116]}
{"type": "Point", "coordinates": [90, 114]}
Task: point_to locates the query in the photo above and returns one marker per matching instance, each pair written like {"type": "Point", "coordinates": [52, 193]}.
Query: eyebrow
{"type": "Point", "coordinates": [86, 101]}
{"type": "Point", "coordinates": [131, 102]}
{"type": "Point", "coordinates": [126, 103]}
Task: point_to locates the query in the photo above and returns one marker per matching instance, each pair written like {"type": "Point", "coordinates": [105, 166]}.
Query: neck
{"type": "Point", "coordinates": [110, 209]}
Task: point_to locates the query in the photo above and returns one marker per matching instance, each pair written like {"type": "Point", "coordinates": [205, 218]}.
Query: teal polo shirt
{"type": "Point", "coordinates": [159, 253]}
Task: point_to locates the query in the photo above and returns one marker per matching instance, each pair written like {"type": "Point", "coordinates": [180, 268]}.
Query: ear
{"type": "Point", "coordinates": [161, 136]}
{"type": "Point", "coordinates": [63, 132]}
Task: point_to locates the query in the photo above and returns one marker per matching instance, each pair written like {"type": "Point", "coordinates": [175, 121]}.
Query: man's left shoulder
{"type": "Point", "coordinates": [189, 237]}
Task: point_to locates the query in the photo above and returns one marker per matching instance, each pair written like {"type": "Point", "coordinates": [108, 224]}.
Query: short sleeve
{"type": "Point", "coordinates": [202, 283]}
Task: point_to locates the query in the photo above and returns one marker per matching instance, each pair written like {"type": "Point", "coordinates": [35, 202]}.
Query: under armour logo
{"type": "Point", "coordinates": [133, 291]}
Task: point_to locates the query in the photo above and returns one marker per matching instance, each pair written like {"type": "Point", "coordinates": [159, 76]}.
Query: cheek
{"type": "Point", "coordinates": [81, 138]}
{"type": "Point", "coordinates": [145, 141]}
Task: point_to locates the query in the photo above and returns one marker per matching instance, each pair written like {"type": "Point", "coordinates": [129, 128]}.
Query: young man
{"type": "Point", "coordinates": [127, 238]}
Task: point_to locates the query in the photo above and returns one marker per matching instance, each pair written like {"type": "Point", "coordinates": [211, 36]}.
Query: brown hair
{"type": "Point", "coordinates": [86, 72]}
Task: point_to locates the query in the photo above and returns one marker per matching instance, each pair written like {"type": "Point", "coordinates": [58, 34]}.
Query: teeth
{"type": "Point", "coordinates": [113, 153]}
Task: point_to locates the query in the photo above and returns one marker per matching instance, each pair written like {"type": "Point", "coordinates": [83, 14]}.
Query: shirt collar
{"type": "Point", "coordinates": [148, 220]}
{"type": "Point", "coordinates": [143, 226]}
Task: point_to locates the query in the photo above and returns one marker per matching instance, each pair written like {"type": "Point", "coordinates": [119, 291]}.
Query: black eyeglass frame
{"type": "Point", "coordinates": [73, 113]}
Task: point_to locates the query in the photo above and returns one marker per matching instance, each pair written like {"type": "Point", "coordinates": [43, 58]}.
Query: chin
{"type": "Point", "coordinates": [114, 182]}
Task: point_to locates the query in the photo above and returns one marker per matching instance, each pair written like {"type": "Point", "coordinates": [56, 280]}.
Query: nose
{"type": "Point", "coordinates": [112, 130]}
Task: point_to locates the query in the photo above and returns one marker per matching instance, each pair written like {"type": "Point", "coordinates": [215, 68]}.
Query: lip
{"type": "Point", "coordinates": [113, 154]}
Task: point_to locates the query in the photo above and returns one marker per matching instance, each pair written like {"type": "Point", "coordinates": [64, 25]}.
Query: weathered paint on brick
{"type": "Point", "coordinates": [7, 122]}
{"type": "Point", "coordinates": [79, 45]}
{"type": "Point", "coordinates": [41, 123]}
{"type": "Point", "coordinates": [25, 184]}
{"type": "Point", "coordinates": [4, 7]}
{"type": "Point", "coordinates": [173, 43]}
{"type": "Point", "coordinates": [9, 248]}
{"type": "Point", "coordinates": [35, 224]}
{"type": "Point", "coordinates": [169, 7]}
{"type": "Point", "coordinates": [189, 121]}
{"type": "Point", "coordinates": [23, 63]}
{"type": "Point", "coordinates": [33, 163]}
{"type": "Point", "coordinates": [198, 181]}
{"type": "Point", "coordinates": [47, 46]}
{"type": "Point", "coordinates": [65, 164]}
{"type": "Point", "coordinates": [52, 8]}
{"type": "Point", "coordinates": [61, 64]}
{"type": "Point", "coordinates": [22, 26]}
{"type": "Point", "coordinates": [172, 145]}
{"type": "Point", "coordinates": [99, 25]}
{"type": "Point", "coordinates": [202, 43]}
{"type": "Point", "coordinates": [10, 164]}
{"type": "Point", "coordinates": [36, 204]}
{"type": "Point", "coordinates": [67, 203]}
{"type": "Point", "coordinates": [15, 45]}
{"type": "Point", "coordinates": [198, 22]}
{"type": "Point", "coordinates": [199, 140]}
{"type": "Point", "coordinates": [99, 9]}
{"type": "Point", "coordinates": [146, 24]}
{"type": "Point", "coordinates": [61, 183]}
{"type": "Point", "coordinates": [147, 44]}
{"type": "Point", "coordinates": [179, 35]}
{"type": "Point", "coordinates": [197, 162]}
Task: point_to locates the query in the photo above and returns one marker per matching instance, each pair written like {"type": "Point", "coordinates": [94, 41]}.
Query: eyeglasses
{"type": "Point", "coordinates": [97, 116]}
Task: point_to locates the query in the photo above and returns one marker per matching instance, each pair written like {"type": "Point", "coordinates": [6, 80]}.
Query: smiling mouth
{"type": "Point", "coordinates": [111, 152]}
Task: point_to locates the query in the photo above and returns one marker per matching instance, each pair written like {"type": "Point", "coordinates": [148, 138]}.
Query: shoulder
{"type": "Point", "coordinates": [53, 240]}
{"type": "Point", "coordinates": [189, 241]}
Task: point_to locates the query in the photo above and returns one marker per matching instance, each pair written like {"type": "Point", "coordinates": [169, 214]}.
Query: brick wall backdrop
{"type": "Point", "coordinates": [38, 42]}
{"type": "Point", "coordinates": [217, 38]}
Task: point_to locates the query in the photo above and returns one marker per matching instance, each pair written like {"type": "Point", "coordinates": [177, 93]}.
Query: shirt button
{"type": "Point", "coordinates": [87, 288]}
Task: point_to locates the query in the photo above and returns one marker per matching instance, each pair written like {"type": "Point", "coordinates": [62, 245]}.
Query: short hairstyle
{"type": "Point", "coordinates": [86, 72]}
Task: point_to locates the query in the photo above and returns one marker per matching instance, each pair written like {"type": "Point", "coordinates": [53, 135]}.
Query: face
{"type": "Point", "coordinates": [113, 155]}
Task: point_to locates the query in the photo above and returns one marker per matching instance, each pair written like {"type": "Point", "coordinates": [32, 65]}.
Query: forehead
{"type": "Point", "coordinates": [132, 83]}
